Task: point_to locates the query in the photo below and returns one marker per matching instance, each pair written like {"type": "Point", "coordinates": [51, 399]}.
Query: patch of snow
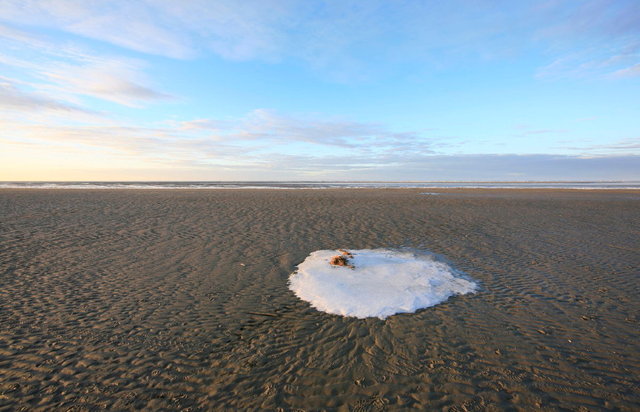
{"type": "Point", "coordinates": [384, 282]}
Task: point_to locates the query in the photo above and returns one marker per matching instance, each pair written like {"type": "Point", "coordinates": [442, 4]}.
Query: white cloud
{"type": "Point", "coordinates": [255, 139]}
{"type": "Point", "coordinates": [265, 145]}
{"type": "Point", "coordinates": [175, 29]}
{"type": "Point", "coordinates": [71, 72]}
{"type": "Point", "coordinates": [629, 146]}
{"type": "Point", "coordinates": [116, 80]}
{"type": "Point", "coordinates": [14, 98]}
{"type": "Point", "coordinates": [133, 25]}
{"type": "Point", "coordinates": [271, 132]}
{"type": "Point", "coordinates": [348, 38]}
{"type": "Point", "coordinates": [631, 71]}
{"type": "Point", "coordinates": [616, 59]}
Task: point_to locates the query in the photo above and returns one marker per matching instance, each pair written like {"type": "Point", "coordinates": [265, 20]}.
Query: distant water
{"type": "Point", "coordinates": [322, 185]}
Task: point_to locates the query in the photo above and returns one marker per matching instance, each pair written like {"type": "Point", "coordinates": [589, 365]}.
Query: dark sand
{"type": "Point", "coordinates": [179, 300]}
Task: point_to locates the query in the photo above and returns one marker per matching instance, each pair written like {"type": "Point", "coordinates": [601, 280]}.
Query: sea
{"type": "Point", "coordinates": [599, 185]}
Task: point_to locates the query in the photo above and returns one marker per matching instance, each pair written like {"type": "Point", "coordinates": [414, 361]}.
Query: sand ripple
{"type": "Point", "coordinates": [179, 300]}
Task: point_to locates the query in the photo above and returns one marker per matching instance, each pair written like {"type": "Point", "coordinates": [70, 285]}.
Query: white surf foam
{"type": "Point", "coordinates": [383, 283]}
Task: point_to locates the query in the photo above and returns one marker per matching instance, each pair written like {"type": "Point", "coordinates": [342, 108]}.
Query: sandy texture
{"type": "Point", "coordinates": [179, 299]}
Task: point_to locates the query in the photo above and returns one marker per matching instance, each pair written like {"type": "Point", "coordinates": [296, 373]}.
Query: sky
{"type": "Point", "coordinates": [395, 90]}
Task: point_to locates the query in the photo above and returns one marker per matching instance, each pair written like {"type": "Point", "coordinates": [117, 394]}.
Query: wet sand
{"type": "Point", "coordinates": [178, 299]}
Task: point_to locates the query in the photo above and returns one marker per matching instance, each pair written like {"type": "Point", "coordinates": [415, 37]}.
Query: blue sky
{"type": "Point", "coordinates": [319, 90]}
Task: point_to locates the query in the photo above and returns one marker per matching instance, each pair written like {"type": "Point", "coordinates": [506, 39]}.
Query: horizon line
{"type": "Point", "coordinates": [320, 181]}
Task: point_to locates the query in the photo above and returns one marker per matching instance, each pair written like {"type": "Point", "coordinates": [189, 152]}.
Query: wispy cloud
{"type": "Point", "coordinates": [14, 98]}
{"type": "Point", "coordinates": [72, 72]}
{"type": "Point", "coordinates": [594, 38]}
{"type": "Point", "coordinates": [351, 37]}
{"type": "Point", "coordinates": [119, 22]}
{"type": "Point", "coordinates": [257, 137]}
{"type": "Point", "coordinates": [631, 71]}
{"type": "Point", "coordinates": [258, 146]}
{"type": "Point", "coordinates": [615, 60]}
{"type": "Point", "coordinates": [116, 80]}
{"type": "Point", "coordinates": [59, 56]}
{"type": "Point", "coordinates": [629, 145]}
{"type": "Point", "coordinates": [263, 125]}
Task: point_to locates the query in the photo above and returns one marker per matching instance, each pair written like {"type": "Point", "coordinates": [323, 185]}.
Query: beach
{"type": "Point", "coordinates": [179, 299]}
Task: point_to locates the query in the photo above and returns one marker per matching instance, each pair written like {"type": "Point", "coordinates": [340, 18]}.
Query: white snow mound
{"type": "Point", "coordinates": [383, 283]}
